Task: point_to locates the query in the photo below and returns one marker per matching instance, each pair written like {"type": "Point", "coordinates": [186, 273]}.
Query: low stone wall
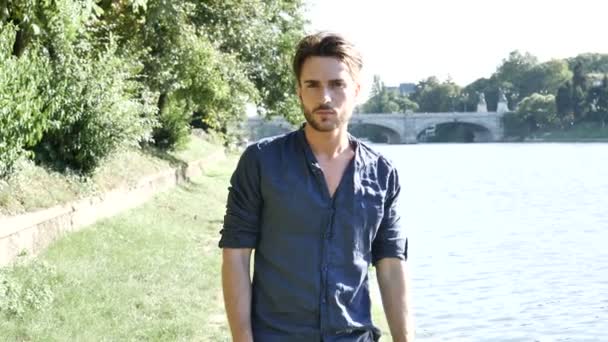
{"type": "Point", "coordinates": [33, 232]}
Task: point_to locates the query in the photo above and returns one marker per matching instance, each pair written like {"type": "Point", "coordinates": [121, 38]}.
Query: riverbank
{"type": "Point", "coordinates": [34, 187]}
{"type": "Point", "coordinates": [583, 133]}
{"type": "Point", "coordinates": [148, 274]}
{"type": "Point", "coordinates": [152, 273]}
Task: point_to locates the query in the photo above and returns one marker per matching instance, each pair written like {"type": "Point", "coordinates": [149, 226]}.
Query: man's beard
{"type": "Point", "coordinates": [325, 126]}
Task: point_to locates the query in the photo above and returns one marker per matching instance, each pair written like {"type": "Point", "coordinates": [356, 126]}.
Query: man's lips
{"type": "Point", "coordinates": [325, 112]}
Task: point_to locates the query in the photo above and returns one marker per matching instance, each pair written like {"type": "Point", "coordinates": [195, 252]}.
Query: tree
{"type": "Point", "coordinates": [262, 34]}
{"type": "Point", "coordinates": [598, 102]}
{"type": "Point", "coordinates": [383, 100]}
{"type": "Point", "coordinates": [579, 93]}
{"type": "Point", "coordinates": [590, 62]}
{"type": "Point", "coordinates": [433, 96]}
{"type": "Point", "coordinates": [244, 52]}
{"type": "Point", "coordinates": [602, 101]}
{"type": "Point", "coordinates": [511, 75]}
{"type": "Point", "coordinates": [489, 87]}
{"type": "Point", "coordinates": [545, 78]}
{"type": "Point", "coordinates": [563, 101]}
{"type": "Point", "coordinates": [538, 111]}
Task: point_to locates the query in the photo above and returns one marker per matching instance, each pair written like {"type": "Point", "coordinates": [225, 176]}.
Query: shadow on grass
{"type": "Point", "coordinates": [164, 155]}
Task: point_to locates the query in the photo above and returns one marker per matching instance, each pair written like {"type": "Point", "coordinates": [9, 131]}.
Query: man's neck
{"type": "Point", "coordinates": [327, 145]}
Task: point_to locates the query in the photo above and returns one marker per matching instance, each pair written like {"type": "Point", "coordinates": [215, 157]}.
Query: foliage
{"type": "Point", "coordinates": [598, 102]}
{"type": "Point", "coordinates": [263, 35]}
{"type": "Point", "coordinates": [23, 111]}
{"type": "Point", "coordinates": [590, 62]}
{"type": "Point", "coordinates": [385, 101]}
{"type": "Point", "coordinates": [24, 289]}
{"type": "Point", "coordinates": [535, 112]}
{"type": "Point", "coordinates": [110, 110]}
{"type": "Point", "coordinates": [125, 72]}
{"type": "Point", "coordinates": [433, 96]}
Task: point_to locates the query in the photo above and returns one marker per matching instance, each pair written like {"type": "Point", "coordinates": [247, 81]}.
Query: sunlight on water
{"type": "Point", "coordinates": [507, 241]}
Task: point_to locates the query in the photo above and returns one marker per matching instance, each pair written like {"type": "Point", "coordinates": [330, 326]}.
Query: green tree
{"type": "Point", "coordinates": [534, 113]}
{"type": "Point", "coordinates": [579, 93]}
{"type": "Point", "coordinates": [563, 102]}
{"type": "Point", "coordinates": [433, 96]}
{"type": "Point", "coordinates": [383, 100]}
{"type": "Point", "coordinates": [263, 35]}
{"type": "Point", "coordinates": [23, 111]}
{"type": "Point", "coordinates": [538, 111]}
{"type": "Point", "coordinates": [487, 86]}
{"type": "Point", "coordinates": [598, 100]}
{"type": "Point", "coordinates": [511, 75]}
{"type": "Point", "coordinates": [590, 63]}
{"type": "Point", "coordinates": [545, 78]}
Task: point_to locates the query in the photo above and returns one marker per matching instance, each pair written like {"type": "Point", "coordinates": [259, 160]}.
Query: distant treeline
{"type": "Point", "coordinates": [541, 96]}
{"type": "Point", "coordinates": [82, 78]}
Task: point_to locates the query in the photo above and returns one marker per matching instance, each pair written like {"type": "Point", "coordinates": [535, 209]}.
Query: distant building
{"type": "Point", "coordinates": [403, 88]}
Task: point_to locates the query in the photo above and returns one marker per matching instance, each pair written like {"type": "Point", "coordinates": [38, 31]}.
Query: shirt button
{"type": "Point", "coordinates": [324, 268]}
{"type": "Point", "coordinates": [324, 300]}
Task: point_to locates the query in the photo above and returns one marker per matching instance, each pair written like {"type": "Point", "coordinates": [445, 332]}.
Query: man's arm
{"type": "Point", "coordinates": [236, 284]}
{"type": "Point", "coordinates": [394, 283]}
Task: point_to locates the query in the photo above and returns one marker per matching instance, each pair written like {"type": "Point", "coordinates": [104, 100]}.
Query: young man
{"type": "Point", "coordinates": [318, 207]}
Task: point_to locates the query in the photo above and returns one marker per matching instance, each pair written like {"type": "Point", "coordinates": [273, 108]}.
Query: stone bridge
{"type": "Point", "coordinates": [400, 128]}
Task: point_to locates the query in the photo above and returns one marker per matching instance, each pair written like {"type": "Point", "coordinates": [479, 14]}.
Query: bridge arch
{"type": "Point", "coordinates": [455, 131]}
{"type": "Point", "coordinates": [374, 132]}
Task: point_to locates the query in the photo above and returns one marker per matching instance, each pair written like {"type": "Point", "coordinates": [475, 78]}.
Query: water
{"type": "Point", "coordinates": [508, 242]}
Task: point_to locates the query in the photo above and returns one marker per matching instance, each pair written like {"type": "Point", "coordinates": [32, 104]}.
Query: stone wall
{"type": "Point", "coordinates": [32, 232]}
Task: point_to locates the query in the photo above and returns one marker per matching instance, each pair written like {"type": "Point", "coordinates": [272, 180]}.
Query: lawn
{"type": "Point", "coordinates": [149, 274]}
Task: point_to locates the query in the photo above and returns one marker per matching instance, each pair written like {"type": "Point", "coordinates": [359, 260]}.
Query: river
{"type": "Point", "coordinates": [508, 242]}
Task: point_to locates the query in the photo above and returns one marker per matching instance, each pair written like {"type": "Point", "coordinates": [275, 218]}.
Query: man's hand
{"type": "Point", "coordinates": [236, 283]}
{"type": "Point", "coordinates": [393, 280]}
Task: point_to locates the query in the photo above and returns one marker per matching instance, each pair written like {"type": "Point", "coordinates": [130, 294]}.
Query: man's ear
{"type": "Point", "coordinates": [357, 88]}
{"type": "Point", "coordinates": [299, 91]}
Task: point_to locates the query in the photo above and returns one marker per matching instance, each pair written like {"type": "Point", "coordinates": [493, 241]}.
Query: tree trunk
{"type": "Point", "coordinates": [20, 40]}
{"type": "Point", "coordinates": [162, 103]}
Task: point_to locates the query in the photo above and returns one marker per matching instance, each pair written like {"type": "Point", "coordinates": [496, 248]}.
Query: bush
{"type": "Point", "coordinates": [23, 114]}
{"type": "Point", "coordinates": [98, 107]}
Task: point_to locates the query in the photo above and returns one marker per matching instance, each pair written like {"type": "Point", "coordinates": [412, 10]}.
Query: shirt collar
{"type": "Point", "coordinates": [312, 160]}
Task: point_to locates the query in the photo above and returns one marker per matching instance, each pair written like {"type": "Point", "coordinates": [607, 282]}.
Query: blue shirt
{"type": "Point", "coordinates": [312, 251]}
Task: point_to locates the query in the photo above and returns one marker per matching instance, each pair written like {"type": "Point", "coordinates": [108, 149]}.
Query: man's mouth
{"type": "Point", "coordinates": [325, 112]}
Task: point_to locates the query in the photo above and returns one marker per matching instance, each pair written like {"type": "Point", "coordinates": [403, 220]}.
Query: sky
{"type": "Point", "coordinates": [409, 40]}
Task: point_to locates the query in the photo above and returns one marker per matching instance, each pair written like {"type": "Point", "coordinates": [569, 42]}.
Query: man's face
{"type": "Point", "coordinates": [327, 92]}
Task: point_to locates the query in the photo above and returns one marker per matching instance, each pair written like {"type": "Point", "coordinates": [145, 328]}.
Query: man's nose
{"type": "Point", "coordinates": [326, 95]}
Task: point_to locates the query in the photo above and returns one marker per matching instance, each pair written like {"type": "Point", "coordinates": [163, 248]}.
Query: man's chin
{"type": "Point", "coordinates": [324, 126]}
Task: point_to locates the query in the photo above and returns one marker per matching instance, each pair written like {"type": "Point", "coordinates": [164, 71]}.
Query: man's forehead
{"type": "Point", "coordinates": [324, 68]}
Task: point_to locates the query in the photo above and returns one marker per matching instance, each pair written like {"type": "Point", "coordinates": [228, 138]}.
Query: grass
{"type": "Point", "coordinates": [34, 187]}
{"type": "Point", "coordinates": [150, 274]}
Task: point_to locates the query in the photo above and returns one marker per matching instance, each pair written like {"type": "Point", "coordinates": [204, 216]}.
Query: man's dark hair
{"type": "Point", "coordinates": [327, 44]}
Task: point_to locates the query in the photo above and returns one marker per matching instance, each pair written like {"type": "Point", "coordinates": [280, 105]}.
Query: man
{"type": "Point", "coordinates": [318, 207]}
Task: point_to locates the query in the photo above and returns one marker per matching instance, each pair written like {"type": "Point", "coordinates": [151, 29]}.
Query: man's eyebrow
{"type": "Point", "coordinates": [310, 81]}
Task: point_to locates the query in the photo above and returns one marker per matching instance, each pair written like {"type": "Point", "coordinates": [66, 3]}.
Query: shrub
{"type": "Point", "coordinates": [23, 111]}
{"type": "Point", "coordinates": [98, 107]}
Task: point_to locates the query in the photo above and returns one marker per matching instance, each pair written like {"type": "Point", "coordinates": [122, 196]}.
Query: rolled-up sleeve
{"type": "Point", "coordinates": [391, 240]}
{"type": "Point", "coordinates": [241, 222]}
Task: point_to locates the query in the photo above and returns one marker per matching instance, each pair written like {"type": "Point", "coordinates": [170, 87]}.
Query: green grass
{"type": "Point", "coordinates": [34, 187]}
{"type": "Point", "coordinates": [149, 274]}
